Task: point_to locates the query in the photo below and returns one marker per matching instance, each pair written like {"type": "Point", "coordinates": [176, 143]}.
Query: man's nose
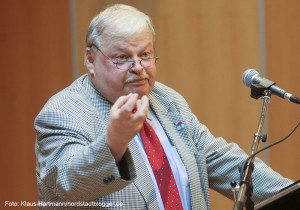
{"type": "Point", "coordinates": [136, 66]}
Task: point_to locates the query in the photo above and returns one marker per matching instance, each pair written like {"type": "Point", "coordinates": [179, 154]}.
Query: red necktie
{"type": "Point", "coordinates": [161, 168]}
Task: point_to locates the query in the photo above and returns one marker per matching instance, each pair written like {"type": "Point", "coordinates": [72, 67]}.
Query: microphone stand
{"type": "Point", "coordinates": [246, 187]}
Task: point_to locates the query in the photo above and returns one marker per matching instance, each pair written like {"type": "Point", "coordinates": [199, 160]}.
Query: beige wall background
{"type": "Point", "coordinates": [204, 48]}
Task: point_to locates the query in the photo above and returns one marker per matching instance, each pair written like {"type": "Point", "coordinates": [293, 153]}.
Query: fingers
{"type": "Point", "coordinates": [142, 106]}
{"type": "Point", "coordinates": [125, 104]}
{"type": "Point", "coordinates": [121, 101]}
{"type": "Point", "coordinates": [130, 106]}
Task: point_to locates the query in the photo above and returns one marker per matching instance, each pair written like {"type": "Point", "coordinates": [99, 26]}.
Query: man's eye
{"type": "Point", "coordinates": [145, 55]}
{"type": "Point", "coordinates": [122, 58]}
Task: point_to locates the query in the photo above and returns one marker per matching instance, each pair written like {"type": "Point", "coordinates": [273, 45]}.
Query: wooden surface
{"type": "Point", "coordinates": [35, 63]}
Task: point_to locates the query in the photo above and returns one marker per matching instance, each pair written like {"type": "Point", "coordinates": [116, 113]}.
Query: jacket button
{"type": "Point", "coordinates": [109, 179]}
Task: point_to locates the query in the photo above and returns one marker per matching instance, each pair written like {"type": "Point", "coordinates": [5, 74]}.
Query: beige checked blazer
{"type": "Point", "coordinates": [75, 167]}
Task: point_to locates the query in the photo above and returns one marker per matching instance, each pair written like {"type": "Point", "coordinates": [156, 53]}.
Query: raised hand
{"type": "Point", "coordinates": [126, 118]}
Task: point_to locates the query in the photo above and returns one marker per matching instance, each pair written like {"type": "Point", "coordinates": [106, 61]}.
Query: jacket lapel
{"type": "Point", "coordinates": [143, 181]}
{"type": "Point", "coordinates": [169, 117]}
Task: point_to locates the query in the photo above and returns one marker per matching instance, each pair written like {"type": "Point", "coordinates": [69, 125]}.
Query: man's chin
{"type": "Point", "coordinates": [141, 93]}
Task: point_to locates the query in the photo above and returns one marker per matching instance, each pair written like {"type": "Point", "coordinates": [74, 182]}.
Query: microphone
{"type": "Point", "coordinates": [252, 78]}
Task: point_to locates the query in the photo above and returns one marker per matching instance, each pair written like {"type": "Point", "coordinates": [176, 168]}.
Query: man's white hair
{"type": "Point", "coordinates": [117, 22]}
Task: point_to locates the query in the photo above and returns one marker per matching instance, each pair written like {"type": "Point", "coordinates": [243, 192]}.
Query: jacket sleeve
{"type": "Point", "coordinates": [74, 164]}
{"type": "Point", "coordinates": [223, 160]}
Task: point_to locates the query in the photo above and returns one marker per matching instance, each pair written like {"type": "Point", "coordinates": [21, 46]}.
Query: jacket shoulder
{"type": "Point", "coordinates": [166, 92]}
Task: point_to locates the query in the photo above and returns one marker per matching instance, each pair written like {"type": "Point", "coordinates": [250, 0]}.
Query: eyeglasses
{"type": "Point", "coordinates": [129, 64]}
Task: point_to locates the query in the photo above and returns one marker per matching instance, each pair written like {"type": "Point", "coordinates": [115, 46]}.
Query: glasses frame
{"type": "Point", "coordinates": [132, 62]}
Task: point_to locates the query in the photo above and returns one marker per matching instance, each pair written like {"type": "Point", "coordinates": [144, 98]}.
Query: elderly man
{"type": "Point", "coordinates": [116, 138]}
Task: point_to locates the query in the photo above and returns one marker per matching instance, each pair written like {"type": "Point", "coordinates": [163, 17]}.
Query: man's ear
{"type": "Point", "coordinates": [89, 58]}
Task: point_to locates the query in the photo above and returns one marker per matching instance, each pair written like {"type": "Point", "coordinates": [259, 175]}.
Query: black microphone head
{"type": "Point", "coordinates": [248, 76]}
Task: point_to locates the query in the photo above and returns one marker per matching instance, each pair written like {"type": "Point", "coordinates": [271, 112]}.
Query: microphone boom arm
{"type": "Point", "coordinates": [246, 187]}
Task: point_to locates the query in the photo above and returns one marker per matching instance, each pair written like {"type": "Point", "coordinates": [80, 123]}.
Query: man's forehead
{"type": "Point", "coordinates": [122, 40]}
{"type": "Point", "coordinates": [124, 45]}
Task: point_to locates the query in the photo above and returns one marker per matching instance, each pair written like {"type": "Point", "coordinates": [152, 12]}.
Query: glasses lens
{"type": "Point", "coordinates": [148, 62]}
{"type": "Point", "coordinates": [125, 65]}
